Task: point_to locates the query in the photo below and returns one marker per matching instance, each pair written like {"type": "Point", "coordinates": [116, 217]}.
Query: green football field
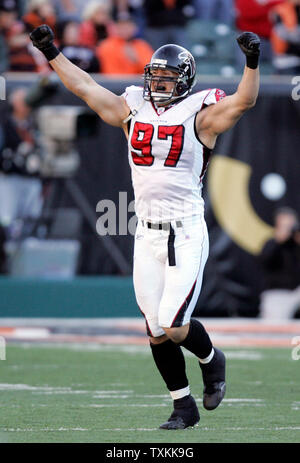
{"type": "Point", "coordinates": [113, 394]}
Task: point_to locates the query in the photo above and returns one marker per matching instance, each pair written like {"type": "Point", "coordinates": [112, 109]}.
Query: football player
{"type": "Point", "coordinates": [171, 134]}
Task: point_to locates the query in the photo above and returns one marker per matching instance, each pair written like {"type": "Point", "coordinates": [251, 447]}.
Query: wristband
{"type": "Point", "coordinates": [50, 52]}
{"type": "Point", "coordinates": [252, 61]}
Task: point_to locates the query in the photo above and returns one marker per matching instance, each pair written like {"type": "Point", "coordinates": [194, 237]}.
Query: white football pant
{"type": "Point", "coordinates": [167, 295]}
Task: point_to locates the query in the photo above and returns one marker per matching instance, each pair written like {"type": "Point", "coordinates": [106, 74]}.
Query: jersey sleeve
{"type": "Point", "coordinates": [134, 97]}
{"type": "Point", "coordinates": [214, 95]}
{"type": "Point", "coordinates": [199, 100]}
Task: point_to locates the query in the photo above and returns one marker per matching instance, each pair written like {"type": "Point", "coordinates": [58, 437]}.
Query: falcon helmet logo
{"type": "Point", "coordinates": [220, 94]}
{"type": "Point", "coordinates": [186, 59]}
{"type": "Point", "coordinates": [185, 56]}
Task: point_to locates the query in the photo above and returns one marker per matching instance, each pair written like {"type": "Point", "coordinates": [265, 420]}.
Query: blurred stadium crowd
{"type": "Point", "coordinates": [42, 231]}
{"type": "Point", "coordinates": [118, 36]}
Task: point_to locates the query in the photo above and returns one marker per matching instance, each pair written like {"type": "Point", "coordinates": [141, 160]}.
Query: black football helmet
{"type": "Point", "coordinates": [173, 58]}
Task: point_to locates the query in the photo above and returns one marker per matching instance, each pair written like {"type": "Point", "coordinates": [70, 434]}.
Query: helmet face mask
{"type": "Point", "coordinates": [157, 88]}
{"type": "Point", "coordinates": [169, 58]}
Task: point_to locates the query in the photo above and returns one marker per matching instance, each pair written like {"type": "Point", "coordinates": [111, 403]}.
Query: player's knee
{"type": "Point", "coordinates": [177, 334]}
{"type": "Point", "coordinates": [158, 339]}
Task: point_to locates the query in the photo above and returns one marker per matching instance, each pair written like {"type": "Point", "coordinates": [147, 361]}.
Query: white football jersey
{"type": "Point", "coordinates": [166, 157]}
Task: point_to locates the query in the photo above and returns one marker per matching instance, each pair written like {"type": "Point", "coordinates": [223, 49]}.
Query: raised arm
{"type": "Point", "coordinates": [218, 118]}
{"type": "Point", "coordinates": [111, 108]}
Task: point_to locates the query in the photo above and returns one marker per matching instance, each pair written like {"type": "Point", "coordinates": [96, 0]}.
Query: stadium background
{"type": "Point", "coordinates": [264, 142]}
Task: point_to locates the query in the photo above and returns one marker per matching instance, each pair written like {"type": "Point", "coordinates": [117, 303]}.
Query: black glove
{"type": "Point", "coordinates": [250, 45]}
{"type": "Point", "coordinates": [42, 38]}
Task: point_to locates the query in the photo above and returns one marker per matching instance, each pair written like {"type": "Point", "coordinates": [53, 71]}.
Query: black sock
{"type": "Point", "coordinates": [197, 341]}
{"type": "Point", "coordinates": [183, 402]}
{"type": "Point", "coordinates": [170, 362]}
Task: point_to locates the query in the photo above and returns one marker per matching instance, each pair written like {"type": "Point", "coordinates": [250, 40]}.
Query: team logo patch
{"type": "Point", "coordinates": [220, 94]}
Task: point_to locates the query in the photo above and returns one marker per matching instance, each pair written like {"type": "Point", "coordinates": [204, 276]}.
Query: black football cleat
{"type": "Point", "coordinates": [213, 374]}
{"type": "Point", "coordinates": [184, 415]}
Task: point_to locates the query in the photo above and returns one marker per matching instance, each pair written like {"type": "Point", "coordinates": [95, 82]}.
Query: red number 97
{"type": "Point", "coordinates": [141, 140]}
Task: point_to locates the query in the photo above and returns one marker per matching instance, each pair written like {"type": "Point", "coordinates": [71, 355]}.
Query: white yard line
{"type": "Point", "coordinates": [132, 349]}
{"type": "Point", "coordinates": [200, 428]}
{"type": "Point", "coordinates": [42, 429]}
{"type": "Point", "coordinates": [123, 405]}
{"type": "Point", "coordinates": [107, 394]}
{"type": "Point", "coordinates": [63, 390]}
